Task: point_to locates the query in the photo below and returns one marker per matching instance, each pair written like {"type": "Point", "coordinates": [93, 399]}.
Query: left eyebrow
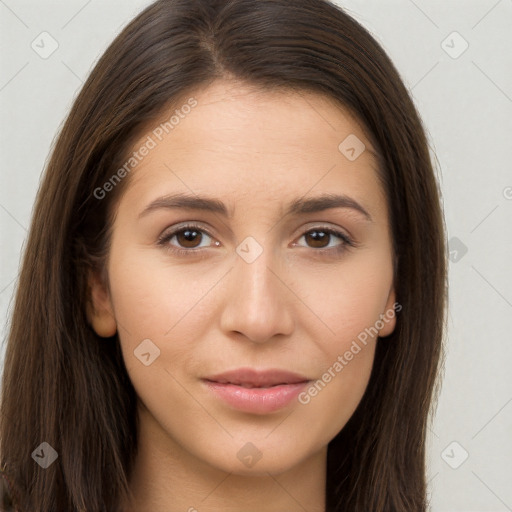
{"type": "Point", "coordinates": [325, 202]}
{"type": "Point", "coordinates": [296, 207]}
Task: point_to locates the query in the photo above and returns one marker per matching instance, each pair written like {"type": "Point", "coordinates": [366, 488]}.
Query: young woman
{"type": "Point", "coordinates": [233, 291]}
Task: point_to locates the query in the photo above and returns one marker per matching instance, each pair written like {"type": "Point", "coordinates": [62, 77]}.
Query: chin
{"type": "Point", "coordinates": [259, 458]}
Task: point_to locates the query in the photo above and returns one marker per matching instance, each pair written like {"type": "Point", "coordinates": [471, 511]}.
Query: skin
{"type": "Point", "coordinates": [291, 308]}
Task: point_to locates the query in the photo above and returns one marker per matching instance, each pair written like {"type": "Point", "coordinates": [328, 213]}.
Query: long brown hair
{"type": "Point", "coordinates": [64, 385]}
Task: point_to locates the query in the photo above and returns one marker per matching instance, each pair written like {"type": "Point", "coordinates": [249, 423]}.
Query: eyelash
{"type": "Point", "coordinates": [167, 237]}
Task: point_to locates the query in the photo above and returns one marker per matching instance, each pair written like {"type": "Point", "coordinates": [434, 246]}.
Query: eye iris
{"type": "Point", "coordinates": [188, 235]}
{"type": "Point", "coordinates": [318, 236]}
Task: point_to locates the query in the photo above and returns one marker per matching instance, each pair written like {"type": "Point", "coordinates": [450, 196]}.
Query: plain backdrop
{"type": "Point", "coordinates": [456, 59]}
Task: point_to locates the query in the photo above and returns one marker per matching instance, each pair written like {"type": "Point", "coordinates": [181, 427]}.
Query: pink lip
{"type": "Point", "coordinates": [258, 392]}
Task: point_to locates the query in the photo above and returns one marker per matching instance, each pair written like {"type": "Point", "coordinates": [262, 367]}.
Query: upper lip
{"type": "Point", "coordinates": [257, 378]}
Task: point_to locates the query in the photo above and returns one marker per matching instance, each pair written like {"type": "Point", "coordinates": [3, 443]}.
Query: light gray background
{"type": "Point", "coordinates": [466, 104]}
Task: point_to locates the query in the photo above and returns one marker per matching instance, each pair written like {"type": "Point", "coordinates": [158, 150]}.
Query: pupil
{"type": "Point", "coordinates": [189, 235]}
{"type": "Point", "coordinates": [318, 236]}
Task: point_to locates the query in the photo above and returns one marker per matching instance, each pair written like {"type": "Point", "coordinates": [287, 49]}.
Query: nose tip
{"type": "Point", "coordinates": [258, 302]}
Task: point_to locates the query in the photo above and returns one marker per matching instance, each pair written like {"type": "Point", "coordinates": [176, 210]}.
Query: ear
{"type": "Point", "coordinates": [100, 312]}
{"type": "Point", "coordinates": [388, 317]}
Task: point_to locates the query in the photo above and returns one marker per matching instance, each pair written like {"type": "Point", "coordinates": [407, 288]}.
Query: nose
{"type": "Point", "coordinates": [258, 303]}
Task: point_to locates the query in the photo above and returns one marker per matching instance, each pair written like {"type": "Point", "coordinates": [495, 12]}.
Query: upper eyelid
{"type": "Point", "coordinates": [174, 230]}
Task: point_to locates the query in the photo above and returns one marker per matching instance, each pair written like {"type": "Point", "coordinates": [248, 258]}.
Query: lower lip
{"type": "Point", "coordinates": [257, 400]}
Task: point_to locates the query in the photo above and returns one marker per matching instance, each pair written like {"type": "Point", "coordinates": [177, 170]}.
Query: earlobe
{"type": "Point", "coordinates": [100, 313]}
{"type": "Point", "coordinates": [387, 323]}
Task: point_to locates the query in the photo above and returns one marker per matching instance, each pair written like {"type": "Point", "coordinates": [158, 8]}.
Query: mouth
{"type": "Point", "coordinates": [252, 378]}
{"type": "Point", "coordinates": [248, 385]}
{"type": "Point", "coordinates": [257, 392]}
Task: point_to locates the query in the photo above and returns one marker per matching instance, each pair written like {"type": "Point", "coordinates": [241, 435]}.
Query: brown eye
{"type": "Point", "coordinates": [317, 238]}
{"type": "Point", "coordinates": [321, 238]}
{"type": "Point", "coordinates": [188, 238]}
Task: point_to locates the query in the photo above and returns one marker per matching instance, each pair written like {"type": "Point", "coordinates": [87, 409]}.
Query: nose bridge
{"type": "Point", "coordinates": [252, 269]}
{"type": "Point", "coordinates": [258, 307]}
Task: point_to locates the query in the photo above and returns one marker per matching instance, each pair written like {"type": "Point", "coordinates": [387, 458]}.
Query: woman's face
{"type": "Point", "coordinates": [254, 283]}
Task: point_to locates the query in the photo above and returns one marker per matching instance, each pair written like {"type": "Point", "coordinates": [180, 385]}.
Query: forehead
{"type": "Point", "coordinates": [284, 121]}
{"type": "Point", "coordinates": [240, 142]}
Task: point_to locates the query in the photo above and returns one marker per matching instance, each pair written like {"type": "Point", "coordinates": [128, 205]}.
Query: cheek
{"type": "Point", "coordinates": [345, 299]}
{"type": "Point", "coordinates": [151, 298]}
{"type": "Point", "coordinates": [329, 402]}
{"type": "Point", "coordinates": [349, 303]}
{"type": "Point", "coordinates": [171, 307]}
